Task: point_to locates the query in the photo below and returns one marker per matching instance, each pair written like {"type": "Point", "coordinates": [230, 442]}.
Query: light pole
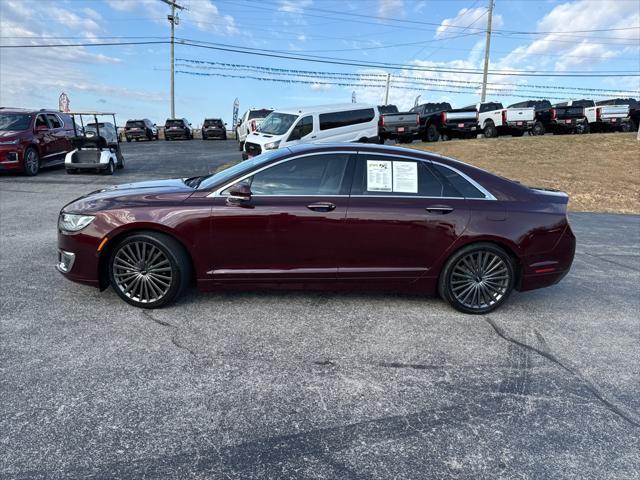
{"type": "Point", "coordinates": [173, 21]}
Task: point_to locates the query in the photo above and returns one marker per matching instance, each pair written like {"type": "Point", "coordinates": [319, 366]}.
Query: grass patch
{"type": "Point", "coordinates": [600, 172]}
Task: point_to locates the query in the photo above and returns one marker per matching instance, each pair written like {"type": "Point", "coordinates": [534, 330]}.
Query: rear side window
{"type": "Point", "coordinates": [455, 185]}
{"type": "Point", "coordinates": [346, 118]}
{"type": "Point", "coordinates": [380, 175]}
{"type": "Point", "coordinates": [41, 121]}
{"type": "Point", "coordinates": [311, 175]}
{"type": "Point", "coordinates": [54, 121]}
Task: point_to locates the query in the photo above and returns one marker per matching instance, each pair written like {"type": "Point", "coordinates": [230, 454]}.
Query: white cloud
{"type": "Point", "coordinates": [72, 20]}
{"type": "Point", "coordinates": [133, 5]}
{"type": "Point", "coordinates": [580, 49]}
{"type": "Point", "coordinates": [206, 17]}
{"type": "Point", "coordinates": [450, 27]}
{"type": "Point", "coordinates": [390, 8]}
{"type": "Point", "coordinates": [294, 6]}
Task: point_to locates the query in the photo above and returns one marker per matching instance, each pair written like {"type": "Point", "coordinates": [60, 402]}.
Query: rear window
{"type": "Point", "coordinates": [387, 109]}
{"type": "Point", "coordinates": [455, 185]}
{"type": "Point", "coordinates": [135, 124]}
{"type": "Point", "coordinates": [259, 113]}
{"type": "Point", "coordinates": [346, 118]}
{"type": "Point", "coordinates": [174, 123]}
{"type": "Point", "coordinates": [582, 103]}
{"type": "Point", "coordinates": [212, 122]}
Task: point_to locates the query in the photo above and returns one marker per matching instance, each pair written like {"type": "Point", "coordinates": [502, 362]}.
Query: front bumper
{"type": "Point", "coordinates": [78, 257]}
{"type": "Point", "coordinates": [11, 157]}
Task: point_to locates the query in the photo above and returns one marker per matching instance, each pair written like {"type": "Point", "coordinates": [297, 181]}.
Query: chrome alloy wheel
{"type": "Point", "coordinates": [142, 271]}
{"type": "Point", "coordinates": [479, 280]}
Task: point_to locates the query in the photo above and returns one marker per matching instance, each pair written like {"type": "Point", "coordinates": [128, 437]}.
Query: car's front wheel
{"type": "Point", "coordinates": [149, 270]}
{"type": "Point", "coordinates": [477, 279]}
{"type": "Point", "coordinates": [31, 162]}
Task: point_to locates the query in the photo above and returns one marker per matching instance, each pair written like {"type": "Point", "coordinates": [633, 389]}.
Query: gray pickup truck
{"type": "Point", "coordinates": [400, 126]}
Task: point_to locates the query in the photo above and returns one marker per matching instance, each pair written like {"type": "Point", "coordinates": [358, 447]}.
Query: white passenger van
{"type": "Point", "coordinates": [351, 122]}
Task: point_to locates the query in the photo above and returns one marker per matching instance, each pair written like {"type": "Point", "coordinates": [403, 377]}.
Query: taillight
{"type": "Point", "coordinates": [381, 121]}
{"type": "Point", "coordinates": [417, 119]}
{"type": "Point", "coordinates": [598, 113]}
{"type": "Point", "coordinates": [443, 117]}
{"type": "Point", "coordinates": [554, 114]}
{"type": "Point", "coordinates": [504, 117]}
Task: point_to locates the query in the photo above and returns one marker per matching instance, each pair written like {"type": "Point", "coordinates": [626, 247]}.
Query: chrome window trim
{"type": "Point", "coordinates": [484, 191]}
{"type": "Point", "coordinates": [218, 192]}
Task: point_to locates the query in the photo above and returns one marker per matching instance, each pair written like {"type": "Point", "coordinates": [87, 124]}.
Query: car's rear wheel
{"type": "Point", "coordinates": [149, 270]}
{"type": "Point", "coordinates": [477, 279]}
{"type": "Point", "coordinates": [31, 162]}
{"type": "Point", "coordinates": [432, 133]}
{"type": "Point", "coordinates": [490, 130]}
{"type": "Point", "coordinates": [538, 129]}
{"type": "Point", "coordinates": [111, 168]}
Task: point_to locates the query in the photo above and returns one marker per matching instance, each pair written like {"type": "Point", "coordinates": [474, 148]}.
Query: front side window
{"type": "Point", "coordinates": [277, 123]}
{"type": "Point", "coordinates": [41, 121]}
{"type": "Point", "coordinates": [310, 175]}
{"type": "Point", "coordinates": [346, 118]}
{"type": "Point", "coordinates": [54, 121]}
{"type": "Point", "coordinates": [303, 128]}
{"type": "Point", "coordinates": [381, 175]}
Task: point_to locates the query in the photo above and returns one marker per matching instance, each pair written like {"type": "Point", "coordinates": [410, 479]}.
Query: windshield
{"type": "Point", "coordinates": [259, 113]}
{"type": "Point", "coordinates": [277, 123]}
{"type": "Point", "coordinates": [15, 122]}
{"type": "Point", "coordinates": [101, 125]}
{"type": "Point", "coordinates": [135, 124]}
{"type": "Point", "coordinates": [213, 123]}
{"type": "Point", "coordinates": [238, 169]}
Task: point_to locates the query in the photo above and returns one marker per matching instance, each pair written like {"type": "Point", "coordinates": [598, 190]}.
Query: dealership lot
{"type": "Point", "coordinates": [309, 385]}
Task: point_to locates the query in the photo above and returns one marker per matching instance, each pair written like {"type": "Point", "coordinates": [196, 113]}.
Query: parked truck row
{"type": "Point", "coordinates": [430, 122]}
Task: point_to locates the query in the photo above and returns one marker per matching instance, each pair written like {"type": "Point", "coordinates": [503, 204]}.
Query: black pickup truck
{"type": "Point", "coordinates": [542, 115]}
{"type": "Point", "coordinates": [421, 122]}
{"type": "Point", "coordinates": [431, 120]}
{"type": "Point", "coordinates": [572, 116]}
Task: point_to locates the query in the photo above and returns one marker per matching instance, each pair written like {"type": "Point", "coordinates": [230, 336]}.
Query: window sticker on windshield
{"type": "Point", "coordinates": [379, 176]}
{"type": "Point", "coordinates": [405, 177]}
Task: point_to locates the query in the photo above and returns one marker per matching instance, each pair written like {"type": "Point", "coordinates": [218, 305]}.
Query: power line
{"type": "Point", "coordinates": [336, 61]}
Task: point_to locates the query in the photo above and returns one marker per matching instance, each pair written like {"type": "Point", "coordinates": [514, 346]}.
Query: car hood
{"type": "Point", "coordinates": [129, 195]}
{"type": "Point", "coordinates": [6, 135]}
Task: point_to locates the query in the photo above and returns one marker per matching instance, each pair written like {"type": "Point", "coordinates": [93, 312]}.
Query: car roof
{"type": "Point", "coordinates": [323, 108]}
{"type": "Point", "coordinates": [28, 111]}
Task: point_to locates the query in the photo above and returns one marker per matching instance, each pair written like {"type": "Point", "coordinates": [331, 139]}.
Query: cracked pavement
{"type": "Point", "coordinates": [259, 385]}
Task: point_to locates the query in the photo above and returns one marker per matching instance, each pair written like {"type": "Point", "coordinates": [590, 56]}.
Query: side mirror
{"type": "Point", "coordinates": [240, 192]}
{"type": "Point", "coordinates": [42, 128]}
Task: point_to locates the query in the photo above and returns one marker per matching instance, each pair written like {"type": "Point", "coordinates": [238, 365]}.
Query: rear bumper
{"type": "Point", "coordinates": [546, 269]}
{"type": "Point", "coordinates": [175, 133]}
{"type": "Point", "coordinates": [521, 125]}
{"type": "Point", "coordinates": [412, 131]}
{"type": "Point", "coordinates": [135, 134]}
{"type": "Point", "coordinates": [461, 127]}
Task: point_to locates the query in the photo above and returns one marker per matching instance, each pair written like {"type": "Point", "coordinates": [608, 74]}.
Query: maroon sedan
{"type": "Point", "coordinates": [338, 217]}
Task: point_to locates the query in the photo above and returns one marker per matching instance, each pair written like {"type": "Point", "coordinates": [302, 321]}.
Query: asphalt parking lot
{"type": "Point", "coordinates": [261, 385]}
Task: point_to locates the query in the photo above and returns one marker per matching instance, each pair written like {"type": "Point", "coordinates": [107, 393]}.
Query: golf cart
{"type": "Point", "coordinates": [97, 145]}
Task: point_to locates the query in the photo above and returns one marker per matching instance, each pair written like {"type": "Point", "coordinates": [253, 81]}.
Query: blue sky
{"type": "Point", "coordinates": [133, 80]}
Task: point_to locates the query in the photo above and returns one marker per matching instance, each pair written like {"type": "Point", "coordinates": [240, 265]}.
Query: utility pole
{"type": "Point", "coordinates": [486, 53]}
{"type": "Point", "coordinates": [386, 95]}
{"type": "Point", "coordinates": [173, 20]}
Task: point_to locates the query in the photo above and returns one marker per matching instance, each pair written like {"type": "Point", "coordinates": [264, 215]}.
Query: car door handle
{"type": "Point", "coordinates": [322, 207]}
{"type": "Point", "coordinates": [441, 209]}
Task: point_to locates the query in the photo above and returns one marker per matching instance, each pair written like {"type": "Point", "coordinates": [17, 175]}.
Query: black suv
{"type": "Point", "coordinates": [214, 128]}
{"type": "Point", "coordinates": [177, 128]}
{"type": "Point", "coordinates": [137, 129]}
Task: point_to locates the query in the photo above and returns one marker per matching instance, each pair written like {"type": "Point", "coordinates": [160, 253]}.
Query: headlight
{"type": "Point", "coordinates": [70, 222]}
{"type": "Point", "coordinates": [272, 145]}
{"type": "Point", "coordinates": [10, 142]}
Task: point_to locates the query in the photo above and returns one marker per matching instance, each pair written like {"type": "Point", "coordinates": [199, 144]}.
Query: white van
{"type": "Point", "coordinates": [351, 122]}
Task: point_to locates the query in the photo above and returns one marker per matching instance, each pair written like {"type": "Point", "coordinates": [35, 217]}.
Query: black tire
{"type": "Point", "coordinates": [490, 130]}
{"type": "Point", "coordinates": [111, 168]}
{"type": "Point", "coordinates": [626, 127]}
{"type": "Point", "coordinates": [454, 280]}
{"type": "Point", "coordinates": [583, 128]}
{"type": "Point", "coordinates": [224, 137]}
{"type": "Point", "coordinates": [432, 134]}
{"type": "Point", "coordinates": [169, 284]}
{"type": "Point", "coordinates": [537, 129]}
{"type": "Point", "coordinates": [363, 140]}
{"type": "Point", "coordinates": [31, 162]}
{"type": "Point", "coordinates": [517, 133]}
{"type": "Point", "coordinates": [72, 171]}
{"type": "Point", "coordinates": [240, 146]}
{"type": "Point", "coordinates": [128, 140]}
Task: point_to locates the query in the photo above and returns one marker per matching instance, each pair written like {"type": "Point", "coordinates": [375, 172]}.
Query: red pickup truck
{"type": "Point", "coordinates": [30, 140]}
